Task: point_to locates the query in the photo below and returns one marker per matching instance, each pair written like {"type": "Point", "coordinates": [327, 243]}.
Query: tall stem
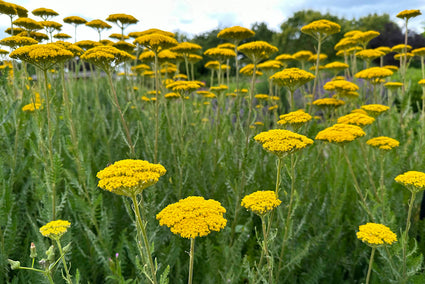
{"type": "Point", "coordinates": [369, 270]}
{"type": "Point", "coordinates": [265, 249]}
{"type": "Point", "coordinates": [142, 231]}
{"type": "Point", "coordinates": [123, 122]}
{"type": "Point", "coordinates": [65, 266]}
{"type": "Point", "coordinates": [406, 233]}
{"type": "Point", "coordinates": [157, 106]}
{"type": "Point", "coordinates": [316, 72]}
{"type": "Point", "coordinates": [192, 253]}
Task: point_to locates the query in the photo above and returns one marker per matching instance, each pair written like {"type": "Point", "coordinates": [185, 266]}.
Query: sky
{"type": "Point", "coordinates": [193, 17]}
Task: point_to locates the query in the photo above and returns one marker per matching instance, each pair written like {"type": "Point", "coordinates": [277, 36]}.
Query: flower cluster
{"type": "Point", "coordinates": [124, 19]}
{"type": "Point", "coordinates": [413, 180]}
{"type": "Point", "coordinates": [156, 41]}
{"type": "Point", "coordinates": [295, 118]}
{"type": "Point", "coordinates": [328, 102]}
{"type": "Point", "coordinates": [129, 177]}
{"type": "Point", "coordinates": [358, 119]}
{"type": "Point", "coordinates": [55, 229]}
{"type": "Point", "coordinates": [235, 33]}
{"type": "Point", "coordinates": [220, 53]}
{"type": "Point", "coordinates": [16, 41]}
{"type": "Point", "coordinates": [292, 78]}
{"type": "Point", "coordinates": [261, 202]}
{"type": "Point", "coordinates": [321, 28]}
{"type": "Point", "coordinates": [407, 14]}
{"type": "Point", "coordinates": [340, 133]}
{"type": "Point", "coordinates": [383, 143]}
{"type": "Point", "coordinates": [193, 217]}
{"type": "Point", "coordinates": [374, 73]}
{"type": "Point", "coordinates": [376, 234]}
{"type": "Point", "coordinates": [340, 86]}
{"type": "Point", "coordinates": [282, 142]}
{"type": "Point", "coordinates": [106, 56]}
{"type": "Point", "coordinates": [257, 50]}
{"type": "Point", "coordinates": [375, 109]}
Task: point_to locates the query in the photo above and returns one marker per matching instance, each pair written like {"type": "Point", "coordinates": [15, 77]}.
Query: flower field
{"type": "Point", "coordinates": [123, 164]}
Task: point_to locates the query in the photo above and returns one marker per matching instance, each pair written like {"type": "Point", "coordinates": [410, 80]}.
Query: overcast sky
{"type": "Point", "coordinates": [197, 16]}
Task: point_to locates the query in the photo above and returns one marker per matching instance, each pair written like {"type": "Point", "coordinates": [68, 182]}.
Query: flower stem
{"type": "Point", "coordinates": [265, 249]}
{"type": "Point", "coordinates": [192, 253]}
{"type": "Point", "coordinates": [406, 233]}
{"type": "Point", "coordinates": [157, 106]}
{"type": "Point", "coordinates": [65, 266]}
{"type": "Point", "coordinates": [142, 231]}
{"type": "Point", "coordinates": [369, 270]}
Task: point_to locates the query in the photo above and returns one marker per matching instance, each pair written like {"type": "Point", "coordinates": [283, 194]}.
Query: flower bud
{"type": "Point", "coordinates": [51, 254]}
{"type": "Point", "coordinates": [67, 248]}
{"type": "Point", "coordinates": [14, 264]}
{"type": "Point", "coordinates": [33, 250]}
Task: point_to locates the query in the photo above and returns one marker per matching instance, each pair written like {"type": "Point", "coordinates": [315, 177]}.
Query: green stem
{"type": "Point", "coordinates": [157, 106]}
{"type": "Point", "coordinates": [265, 248]}
{"type": "Point", "coordinates": [142, 231]}
{"type": "Point", "coordinates": [369, 270]}
{"type": "Point", "coordinates": [192, 253]}
{"type": "Point", "coordinates": [65, 266]}
{"type": "Point", "coordinates": [316, 72]}
{"type": "Point", "coordinates": [406, 233]}
{"type": "Point", "coordinates": [382, 187]}
{"type": "Point", "coordinates": [123, 122]}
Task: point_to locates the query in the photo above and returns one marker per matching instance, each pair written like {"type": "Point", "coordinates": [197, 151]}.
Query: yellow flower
{"type": "Point", "coordinates": [292, 78]}
{"type": "Point", "coordinates": [328, 102]}
{"type": "Point", "coordinates": [356, 119]}
{"type": "Point", "coordinates": [302, 55]}
{"type": "Point", "coordinates": [122, 19]}
{"type": "Point", "coordinates": [106, 57]}
{"type": "Point", "coordinates": [235, 33]}
{"type": "Point", "coordinates": [363, 38]}
{"type": "Point", "coordinates": [270, 65]}
{"type": "Point", "coordinates": [172, 95]}
{"type": "Point", "coordinates": [98, 24]}
{"type": "Point", "coordinates": [28, 23]}
{"type": "Point", "coordinates": [407, 14]}
{"type": "Point", "coordinates": [383, 143]}
{"type": "Point", "coordinates": [271, 108]}
{"type": "Point", "coordinates": [419, 51]}
{"type": "Point", "coordinates": [32, 107]}
{"type": "Point", "coordinates": [321, 29]}
{"type": "Point", "coordinates": [336, 66]}
{"type": "Point", "coordinates": [156, 41]}
{"type": "Point", "coordinates": [376, 234]}
{"type": "Point", "coordinates": [412, 180]}
{"type": "Point", "coordinates": [16, 41]}
{"type": "Point", "coordinates": [345, 43]}
{"type": "Point", "coordinates": [393, 85]}
{"type": "Point", "coordinates": [220, 54]}
{"type": "Point", "coordinates": [219, 88]}
{"type": "Point", "coordinates": [55, 229]}
{"type": "Point", "coordinates": [282, 142]}
{"type": "Point", "coordinates": [263, 97]}
{"type": "Point", "coordinates": [44, 13]}
{"type": "Point", "coordinates": [257, 50]}
{"type": "Point", "coordinates": [75, 20]}
{"type": "Point", "coordinates": [285, 58]}
{"type": "Point", "coordinates": [193, 217]}
{"type": "Point", "coordinates": [369, 54]}
{"type": "Point", "coordinates": [408, 55]}
{"type": "Point", "coordinates": [340, 86]}
{"type": "Point", "coordinates": [87, 44]}
{"type": "Point", "coordinates": [129, 177]}
{"type": "Point", "coordinates": [375, 109]}
{"type": "Point", "coordinates": [248, 70]}
{"type": "Point", "coordinates": [374, 73]}
{"type": "Point", "coordinates": [261, 202]}
{"type": "Point", "coordinates": [295, 118]}
{"type": "Point", "coordinates": [186, 47]}
{"type": "Point", "coordinates": [340, 133]}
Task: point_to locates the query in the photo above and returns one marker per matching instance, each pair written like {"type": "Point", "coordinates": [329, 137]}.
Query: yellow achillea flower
{"type": "Point", "coordinates": [193, 217]}
{"type": "Point", "coordinates": [87, 44]}
{"type": "Point", "coordinates": [28, 23]}
{"type": "Point", "coordinates": [44, 56]}
{"type": "Point", "coordinates": [295, 118]}
{"type": "Point", "coordinates": [384, 49]}
{"type": "Point", "coordinates": [406, 55]}
{"type": "Point", "coordinates": [374, 73]}
{"type": "Point", "coordinates": [407, 14]}
{"type": "Point", "coordinates": [321, 29]}
{"type": "Point", "coordinates": [336, 66]}
{"type": "Point", "coordinates": [393, 85]}
{"type": "Point", "coordinates": [369, 54]}
{"type": "Point", "coordinates": [122, 19]}
{"type": "Point", "coordinates": [235, 33]}
{"type": "Point", "coordinates": [124, 46]}
{"type": "Point", "coordinates": [313, 58]}
{"type": "Point", "coordinates": [220, 53]}
{"type": "Point", "coordinates": [248, 70]}
{"type": "Point", "coordinates": [186, 47]}
{"type": "Point", "coordinates": [270, 65]}
{"type": "Point", "coordinates": [263, 97]}
{"type": "Point", "coordinates": [261, 202]}
{"type": "Point", "coordinates": [363, 38]}
{"type": "Point", "coordinates": [184, 86]}
{"type": "Point", "coordinates": [383, 143]}
{"type": "Point", "coordinates": [282, 142]}
{"type": "Point", "coordinates": [172, 95]}
{"type": "Point", "coordinates": [376, 234]}
{"type": "Point", "coordinates": [156, 41]}
{"type": "Point", "coordinates": [16, 41]}
{"type": "Point", "coordinates": [227, 45]}
{"type": "Point", "coordinates": [219, 88]}
{"type": "Point", "coordinates": [419, 51]}
{"type": "Point", "coordinates": [345, 43]}
{"type": "Point", "coordinates": [129, 177]}
{"type": "Point", "coordinates": [32, 107]}
{"type": "Point", "coordinates": [328, 102]}
{"type": "Point", "coordinates": [421, 82]}
{"type": "Point", "coordinates": [44, 13]}
{"type": "Point", "coordinates": [292, 78]}
{"type": "Point", "coordinates": [340, 86]}
{"type": "Point", "coordinates": [257, 50]}
{"type": "Point", "coordinates": [98, 24]}
{"type": "Point", "coordinates": [302, 55]}
{"type": "Point", "coordinates": [401, 47]}
{"type": "Point", "coordinates": [340, 133]}
{"type": "Point", "coordinates": [412, 180]}
{"type": "Point", "coordinates": [375, 109]}
{"type": "Point", "coordinates": [356, 119]}
{"type": "Point", "coordinates": [61, 36]}
{"type": "Point", "coordinates": [75, 20]}
{"type": "Point", "coordinates": [106, 57]}
{"type": "Point", "coordinates": [55, 229]}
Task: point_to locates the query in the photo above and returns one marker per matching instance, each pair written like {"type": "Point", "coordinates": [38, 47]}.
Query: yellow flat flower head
{"type": "Point", "coordinates": [292, 78]}
{"type": "Point", "coordinates": [282, 142]}
{"type": "Point", "coordinates": [412, 180]}
{"type": "Point", "coordinates": [261, 202]}
{"type": "Point", "coordinates": [340, 133]}
{"type": "Point", "coordinates": [235, 33]}
{"type": "Point", "coordinates": [193, 217]}
{"type": "Point", "coordinates": [375, 235]}
{"type": "Point", "coordinates": [55, 229]}
{"type": "Point", "coordinates": [383, 143]}
{"type": "Point", "coordinates": [358, 119]}
{"type": "Point", "coordinates": [407, 14]}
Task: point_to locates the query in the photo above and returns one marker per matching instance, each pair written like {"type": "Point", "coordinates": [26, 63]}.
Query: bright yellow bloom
{"type": "Point", "coordinates": [129, 177]}
{"type": "Point", "coordinates": [284, 58]}
{"type": "Point", "coordinates": [328, 102]}
{"type": "Point", "coordinates": [235, 33]}
{"type": "Point", "coordinates": [261, 202]}
{"type": "Point", "coordinates": [75, 20]}
{"type": "Point", "coordinates": [172, 95]}
{"type": "Point", "coordinates": [302, 55]}
{"type": "Point", "coordinates": [270, 65]}
{"type": "Point", "coordinates": [336, 66]}
{"type": "Point", "coordinates": [419, 51]}
{"type": "Point", "coordinates": [400, 48]}
{"type": "Point", "coordinates": [257, 50]}
{"type": "Point", "coordinates": [44, 13]}
{"type": "Point", "coordinates": [407, 55]}
{"type": "Point", "coordinates": [345, 43]}
{"type": "Point", "coordinates": [295, 118]}
{"type": "Point", "coordinates": [340, 133]}
{"type": "Point", "coordinates": [248, 70]}
{"type": "Point", "coordinates": [292, 78]}
{"type": "Point", "coordinates": [16, 41]}
{"type": "Point", "coordinates": [393, 85]}
{"type": "Point", "coordinates": [32, 107]}
{"type": "Point", "coordinates": [363, 38]}
{"type": "Point", "coordinates": [383, 143]}
{"type": "Point", "coordinates": [55, 229]}
{"type": "Point", "coordinates": [219, 88]}
{"type": "Point", "coordinates": [374, 73]}
{"type": "Point", "coordinates": [376, 234]}
{"type": "Point", "coordinates": [356, 119]}
{"type": "Point", "coordinates": [282, 142]}
{"type": "Point", "coordinates": [340, 86]}
{"type": "Point", "coordinates": [87, 44]}
{"type": "Point", "coordinates": [156, 41]}
{"type": "Point", "coordinates": [321, 29]}
{"type": "Point", "coordinates": [375, 109]}
{"type": "Point", "coordinates": [407, 14]}
{"type": "Point", "coordinates": [122, 19]}
{"type": "Point", "coordinates": [186, 47]}
{"type": "Point", "coordinates": [412, 180]}
{"type": "Point", "coordinates": [193, 217]}
{"type": "Point", "coordinates": [369, 54]}
{"type": "Point", "coordinates": [98, 24]}
{"type": "Point", "coordinates": [220, 53]}
{"type": "Point", "coordinates": [28, 23]}
{"type": "Point", "coordinates": [106, 57]}
{"type": "Point", "coordinates": [263, 97]}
